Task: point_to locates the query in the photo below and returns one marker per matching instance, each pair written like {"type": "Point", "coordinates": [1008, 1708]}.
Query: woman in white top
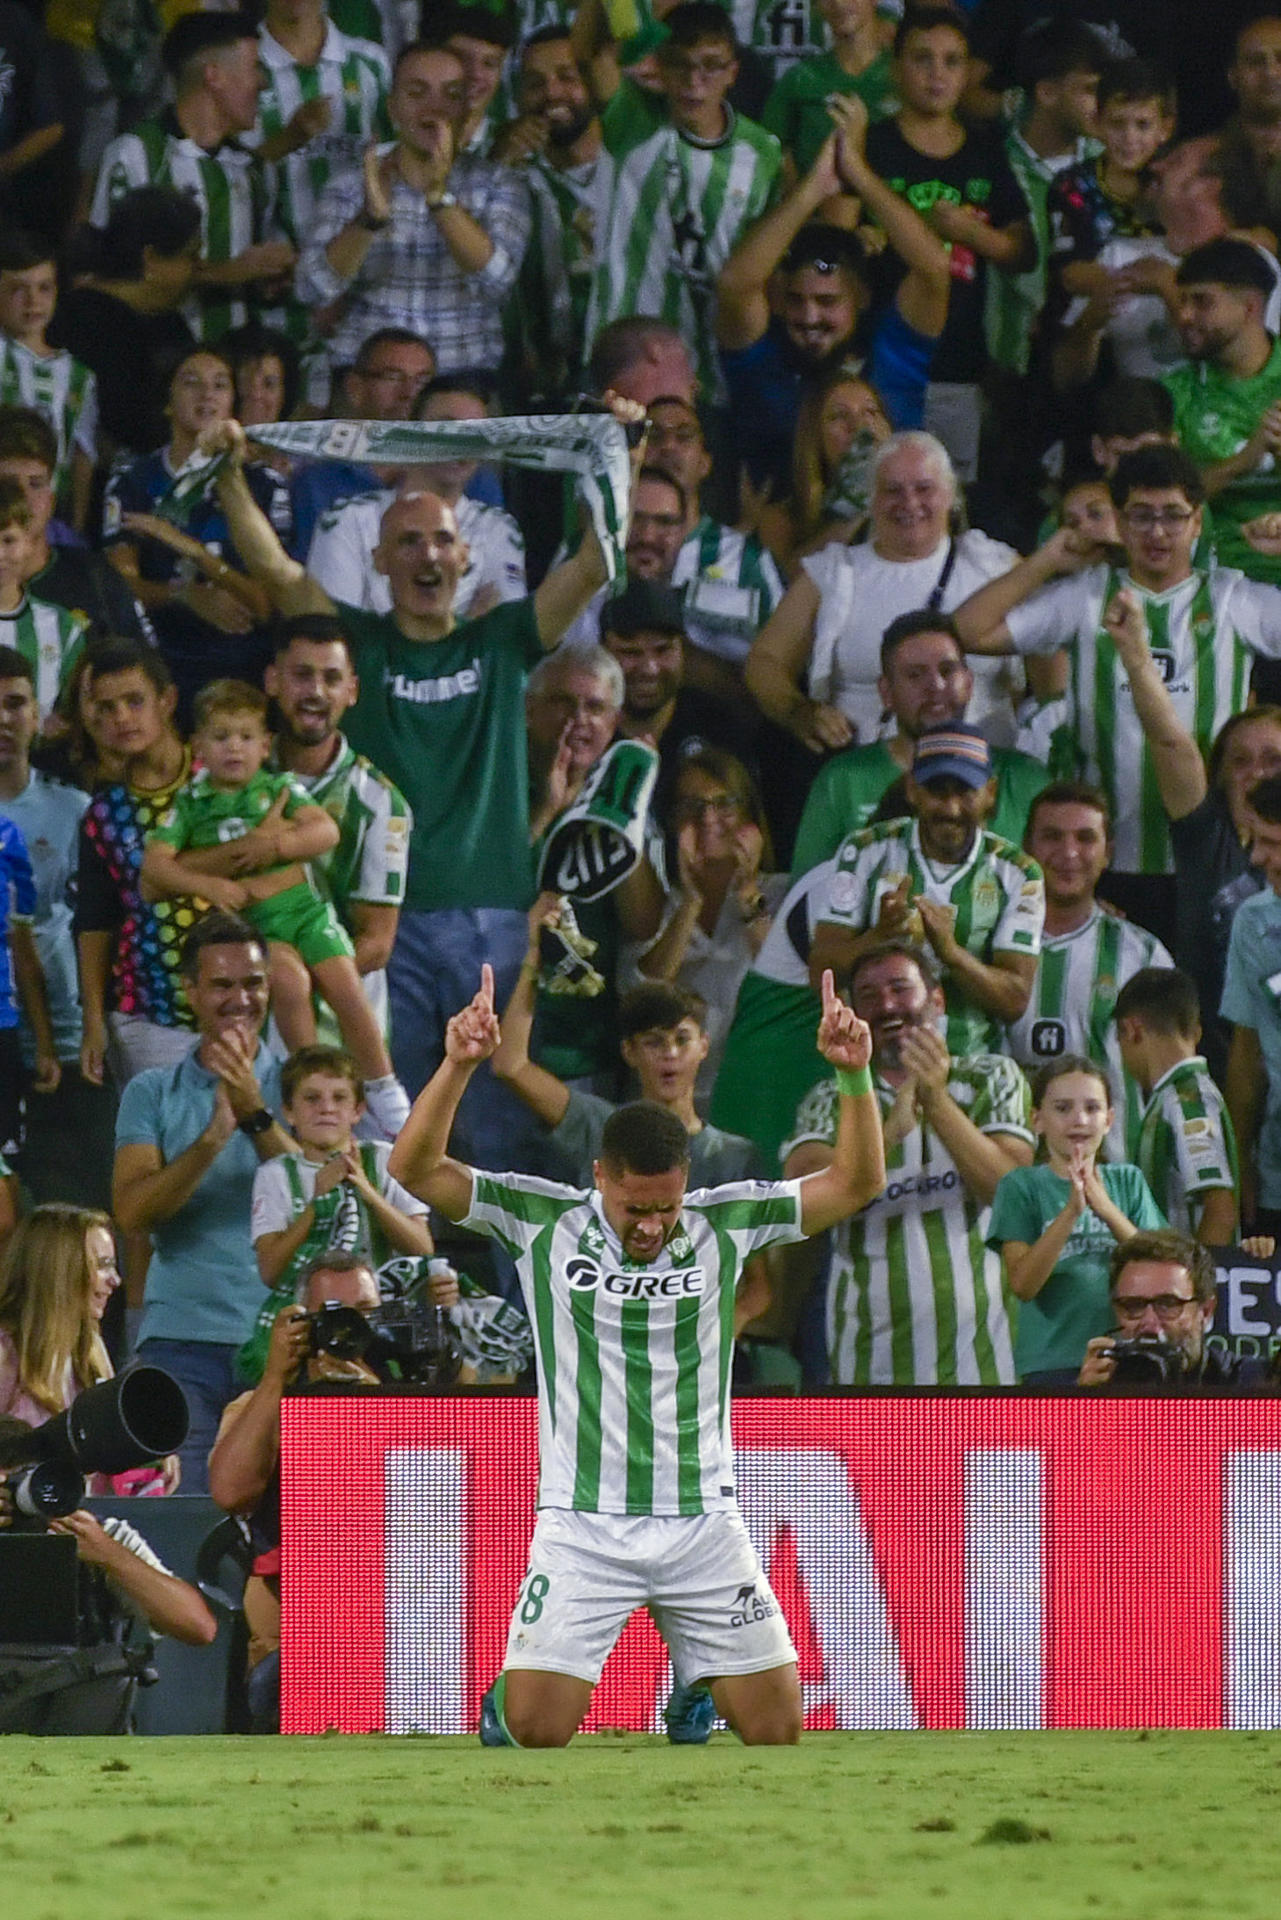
{"type": "Point", "coordinates": [826, 631]}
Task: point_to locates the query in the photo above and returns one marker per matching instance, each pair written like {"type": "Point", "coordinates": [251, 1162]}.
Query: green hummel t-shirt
{"type": "Point", "coordinates": [796, 110]}
{"type": "Point", "coordinates": [1074, 1304]}
{"type": "Point", "coordinates": [849, 789]}
{"type": "Point", "coordinates": [445, 721]}
{"type": "Point", "coordinates": [1214, 416]}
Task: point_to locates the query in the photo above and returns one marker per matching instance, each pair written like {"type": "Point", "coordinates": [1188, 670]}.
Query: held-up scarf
{"type": "Point", "coordinates": [591, 446]}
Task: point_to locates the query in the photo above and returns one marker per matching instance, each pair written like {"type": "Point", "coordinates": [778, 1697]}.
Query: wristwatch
{"type": "Point", "coordinates": [262, 1121]}
{"type": "Point", "coordinates": [445, 200]}
{"type": "Point", "coordinates": [372, 222]}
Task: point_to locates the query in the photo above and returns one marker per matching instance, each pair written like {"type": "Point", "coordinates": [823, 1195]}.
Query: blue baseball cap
{"type": "Point", "coordinates": [952, 753]}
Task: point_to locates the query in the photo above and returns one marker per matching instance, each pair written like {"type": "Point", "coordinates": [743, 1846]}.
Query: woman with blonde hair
{"type": "Point", "coordinates": [56, 1278]}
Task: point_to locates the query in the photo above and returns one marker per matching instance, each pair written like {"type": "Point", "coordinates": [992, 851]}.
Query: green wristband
{"type": "Point", "coordinates": [855, 1084]}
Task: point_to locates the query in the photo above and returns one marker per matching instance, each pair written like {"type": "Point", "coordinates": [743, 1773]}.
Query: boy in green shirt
{"type": "Point", "coordinates": [856, 62]}
{"type": "Point", "coordinates": [240, 836]}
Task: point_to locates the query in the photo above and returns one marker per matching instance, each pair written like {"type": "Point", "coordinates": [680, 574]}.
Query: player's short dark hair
{"type": "Point", "coordinates": [325, 629]}
{"type": "Point", "coordinates": [191, 40]}
{"type": "Point", "coordinates": [16, 666]}
{"type": "Point", "coordinates": [1052, 49]}
{"type": "Point", "coordinates": [1160, 468]}
{"type": "Point", "coordinates": [335, 1062]}
{"type": "Point", "coordinates": [25, 434]}
{"type": "Point", "coordinates": [1069, 793]}
{"type": "Point", "coordinates": [659, 1004]}
{"type": "Point", "coordinates": [907, 626]}
{"type": "Point", "coordinates": [494, 25]}
{"type": "Point", "coordinates": [1167, 1244]}
{"type": "Point", "coordinates": [897, 947]}
{"type": "Point", "coordinates": [1131, 406]}
{"type": "Point", "coordinates": [1164, 998]}
{"type": "Point", "coordinates": [694, 21]}
{"type": "Point", "coordinates": [924, 19]}
{"type": "Point", "coordinates": [21, 250]}
{"type": "Point", "coordinates": [217, 929]}
{"type": "Point", "coordinates": [644, 1138]}
{"type": "Point", "coordinates": [1044, 1077]}
{"type": "Point", "coordinates": [123, 655]}
{"type": "Point", "coordinates": [1265, 799]}
{"type": "Point", "coordinates": [661, 476]}
{"type": "Point", "coordinates": [1131, 80]}
{"type": "Point", "coordinates": [1227, 263]}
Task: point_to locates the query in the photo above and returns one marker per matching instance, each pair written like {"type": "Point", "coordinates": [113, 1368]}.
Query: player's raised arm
{"type": "Point", "coordinates": [856, 1172]}
{"type": "Point", "coordinates": [419, 1159]}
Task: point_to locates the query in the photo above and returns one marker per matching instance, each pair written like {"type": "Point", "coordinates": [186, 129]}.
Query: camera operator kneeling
{"type": "Point", "coordinates": [1163, 1294]}
{"type": "Point", "coordinates": [125, 1594]}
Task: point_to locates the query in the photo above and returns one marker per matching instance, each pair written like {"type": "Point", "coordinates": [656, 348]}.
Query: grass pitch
{"type": "Point", "coordinates": [880, 1826]}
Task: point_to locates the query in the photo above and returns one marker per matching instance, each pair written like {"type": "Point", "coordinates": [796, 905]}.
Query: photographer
{"type": "Point", "coordinates": [90, 1688]}
{"type": "Point", "coordinates": [244, 1467]}
{"type": "Point", "coordinates": [1163, 1295]}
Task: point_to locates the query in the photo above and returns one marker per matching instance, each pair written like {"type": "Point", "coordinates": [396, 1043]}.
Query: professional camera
{"type": "Point", "coordinates": [1147, 1361]}
{"type": "Point", "coordinates": [404, 1340]}
{"type": "Point", "coordinates": [118, 1424]}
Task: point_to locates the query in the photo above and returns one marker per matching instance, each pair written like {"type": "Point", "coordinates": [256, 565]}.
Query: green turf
{"type": "Point", "coordinates": [880, 1826]}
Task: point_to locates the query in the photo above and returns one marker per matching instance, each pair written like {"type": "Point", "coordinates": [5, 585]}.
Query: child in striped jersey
{"type": "Point", "coordinates": [34, 374]}
{"type": "Point", "coordinates": [50, 638]}
{"type": "Point", "coordinates": [1055, 1224]}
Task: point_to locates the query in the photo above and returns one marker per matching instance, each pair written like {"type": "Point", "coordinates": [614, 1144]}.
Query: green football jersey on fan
{"type": "Point", "coordinates": [57, 386]}
{"type": "Point", "coordinates": [1187, 1147]}
{"type": "Point", "coordinates": [50, 639]}
{"type": "Point", "coordinates": [1070, 1011]}
{"type": "Point", "coordinates": [914, 1296]}
{"type": "Point", "coordinates": [1203, 632]}
{"type": "Point", "coordinates": [997, 893]}
{"type": "Point", "coordinates": [796, 111]}
{"type": "Point", "coordinates": [353, 75]}
{"type": "Point", "coordinates": [1214, 416]}
{"type": "Point", "coordinates": [670, 211]}
{"type": "Point", "coordinates": [633, 1358]}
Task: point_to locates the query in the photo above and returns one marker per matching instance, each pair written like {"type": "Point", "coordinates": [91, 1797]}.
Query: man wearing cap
{"type": "Point", "coordinates": [925, 682]}
{"type": "Point", "coordinates": [769, 355]}
{"type": "Point", "coordinates": [644, 629]}
{"type": "Point", "coordinates": [940, 877]}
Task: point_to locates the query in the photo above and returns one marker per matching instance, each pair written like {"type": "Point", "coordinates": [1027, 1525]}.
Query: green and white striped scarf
{"type": "Point", "coordinates": [591, 446]}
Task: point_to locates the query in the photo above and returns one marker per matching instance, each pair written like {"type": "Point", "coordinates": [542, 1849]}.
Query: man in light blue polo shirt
{"type": "Point", "coordinates": [189, 1140]}
{"type": "Point", "coordinates": [1252, 1002]}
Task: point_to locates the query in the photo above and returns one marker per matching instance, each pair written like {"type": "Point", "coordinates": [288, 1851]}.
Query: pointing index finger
{"type": "Point", "coordinates": [487, 986]}
{"type": "Point", "coordinates": [829, 992]}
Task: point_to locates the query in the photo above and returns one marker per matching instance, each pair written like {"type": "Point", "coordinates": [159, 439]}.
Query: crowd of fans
{"type": "Point", "coordinates": [950, 606]}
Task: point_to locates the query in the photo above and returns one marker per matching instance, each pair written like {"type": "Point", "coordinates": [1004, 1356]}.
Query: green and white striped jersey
{"type": "Point", "coordinates": [781, 32]}
{"type": "Point", "coordinates": [57, 386]}
{"type": "Point", "coordinates": [633, 1361]}
{"type": "Point", "coordinates": [369, 864]}
{"type": "Point", "coordinates": [914, 1297]}
{"type": "Point", "coordinates": [732, 586]}
{"type": "Point", "coordinates": [670, 210]}
{"type": "Point", "coordinates": [1203, 633]}
{"type": "Point", "coordinates": [997, 891]}
{"type": "Point", "coordinates": [234, 190]}
{"type": "Point", "coordinates": [51, 639]}
{"type": "Point", "coordinates": [355, 77]}
{"type": "Point", "coordinates": [555, 284]}
{"type": "Point", "coordinates": [1187, 1147]}
{"type": "Point", "coordinates": [1077, 980]}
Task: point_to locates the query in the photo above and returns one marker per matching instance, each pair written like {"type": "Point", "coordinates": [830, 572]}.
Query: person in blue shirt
{"type": "Point", "coordinates": [21, 985]}
{"type": "Point", "coordinates": [769, 358]}
{"type": "Point", "coordinates": [189, 1140]}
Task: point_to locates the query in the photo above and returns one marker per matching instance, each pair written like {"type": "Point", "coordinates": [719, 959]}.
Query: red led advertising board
{"type": "Point", "coordinates": [979, 1562]}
